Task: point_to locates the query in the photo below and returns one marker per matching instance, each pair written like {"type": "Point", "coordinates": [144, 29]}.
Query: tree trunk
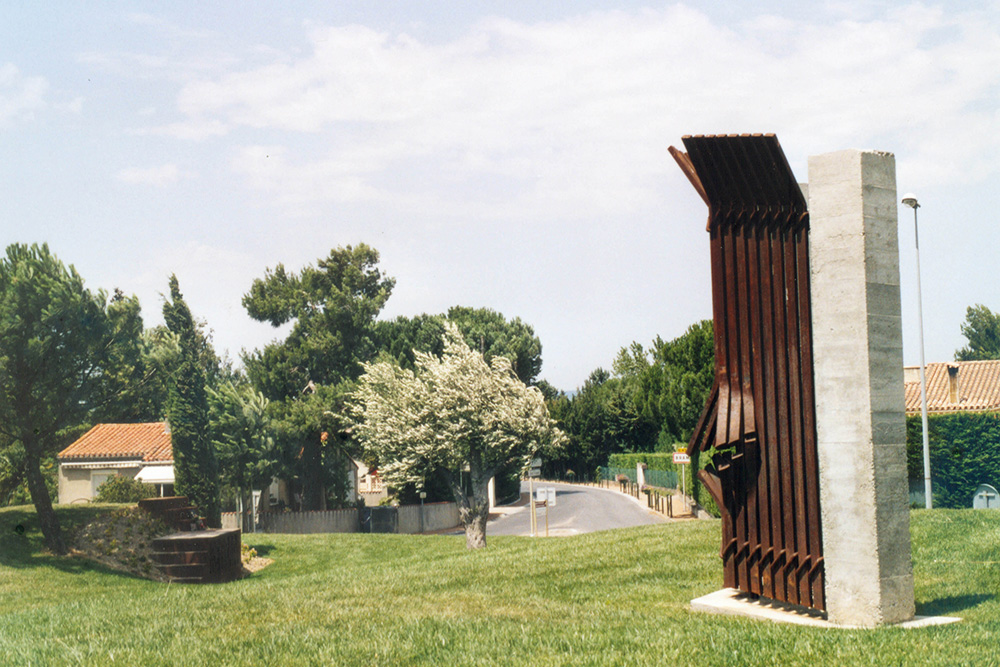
{"type": "Point", "coordinates": [47, 519]}
{"type": "Point", "coordinates": [475, 525]}
{"type": "Point", "coordinates": [474, 511]}
{"type": "Point", "coordinates": [246, 517]}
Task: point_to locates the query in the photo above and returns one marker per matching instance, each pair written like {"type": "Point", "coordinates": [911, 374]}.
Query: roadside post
{"type": "Point", "coordinates": [681, 458]}
{"type": "Point", "coordinates": [423, 494]}
{"type": "Point", "coordinates": [255, 500]}
{"type": "Point", "coordinates": [534, 471]}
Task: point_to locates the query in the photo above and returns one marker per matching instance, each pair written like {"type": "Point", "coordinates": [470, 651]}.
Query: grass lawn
{"type": "Point", "coordinates": [612, 598]}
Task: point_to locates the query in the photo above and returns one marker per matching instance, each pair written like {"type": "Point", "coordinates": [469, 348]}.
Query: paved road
{"type": "Point", "coordinates": [578, 509]}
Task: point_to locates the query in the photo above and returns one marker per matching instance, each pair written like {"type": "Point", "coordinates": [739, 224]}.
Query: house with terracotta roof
{"type": "Point", "coordinates": [956, 386]}
{"type": "Point", "coordinates": [140, 451]}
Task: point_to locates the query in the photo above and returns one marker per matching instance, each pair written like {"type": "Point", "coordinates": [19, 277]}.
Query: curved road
{"type": "Point", "coordinates": [578, 509]}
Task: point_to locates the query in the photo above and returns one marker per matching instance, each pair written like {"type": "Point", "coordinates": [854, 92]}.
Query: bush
{"type": "Point", "coordinates": [123, 489]}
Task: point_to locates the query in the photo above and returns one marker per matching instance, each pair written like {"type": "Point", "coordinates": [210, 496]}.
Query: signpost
{"type": "Point", "coordinates": [682, 458]}
{"type": "Point", "coordinates": [534, 471]}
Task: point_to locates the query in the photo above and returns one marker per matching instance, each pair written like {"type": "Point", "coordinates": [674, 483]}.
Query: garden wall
{"type": "Point", "coordinates": [437, 516]}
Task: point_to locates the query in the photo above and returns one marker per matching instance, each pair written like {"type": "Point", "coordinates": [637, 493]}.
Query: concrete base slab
{"type": "Point", "coordinates": [735, 603]}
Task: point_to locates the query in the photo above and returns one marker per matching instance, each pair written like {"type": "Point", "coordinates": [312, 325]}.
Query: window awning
{"type": "Point", "coordinates": [156, 474]}
{"type": "Point", "coordinates": [98, 465]}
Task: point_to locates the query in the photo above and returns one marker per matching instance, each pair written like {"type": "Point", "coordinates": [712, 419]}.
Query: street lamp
{"type": "Point", "coordinates": [910, 200]}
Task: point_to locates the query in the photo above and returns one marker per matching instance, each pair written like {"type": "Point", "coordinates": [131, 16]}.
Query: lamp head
{"type": "Point", "coordinates": [910, 200]}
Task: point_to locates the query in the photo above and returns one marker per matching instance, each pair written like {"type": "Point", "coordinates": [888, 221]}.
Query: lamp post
{"type": "Point", "coordinates": [911, 201]}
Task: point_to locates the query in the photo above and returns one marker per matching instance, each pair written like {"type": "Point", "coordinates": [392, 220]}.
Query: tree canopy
{"type": "Point", "coordinates": [982, 331]}
{"type": "Point", "coordinates": [451, 414]}
{"type": "Point", "coordinates": [64, 352]}
{"type": "Point", "coordinates": [243, 438]}
{"type": "Point", "coordinates": [332, 307]}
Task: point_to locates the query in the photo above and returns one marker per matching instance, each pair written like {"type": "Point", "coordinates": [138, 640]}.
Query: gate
{"type": "Point", "coordinates": [383, 519]}
{"type": "Point", "coordinates": [759, 425]}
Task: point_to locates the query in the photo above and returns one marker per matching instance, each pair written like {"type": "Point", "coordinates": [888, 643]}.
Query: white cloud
{"type": "Point", "coordinates": [20, 96]}
{"type": "Point", "coordinates": [578, 113]}
{"type": "Point", "coordinates": [160, 176]}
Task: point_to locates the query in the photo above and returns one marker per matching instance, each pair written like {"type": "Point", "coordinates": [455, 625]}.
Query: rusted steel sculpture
{"type": "Point", "coordinates": [759, 425]}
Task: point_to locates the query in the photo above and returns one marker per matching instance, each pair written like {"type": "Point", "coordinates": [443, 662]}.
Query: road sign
{"type": "Point", "coordinates": [681, 457]}
{"type": "Point", "coordinates": [546, 494]}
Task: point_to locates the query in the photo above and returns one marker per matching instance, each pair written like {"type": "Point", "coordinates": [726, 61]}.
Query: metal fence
{"type": "Point", "coordinates": [664, 479]}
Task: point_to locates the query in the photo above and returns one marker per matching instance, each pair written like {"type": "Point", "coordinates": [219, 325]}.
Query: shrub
{"type": "Point", "coordinates": [123, 489]}
{"type": "Point", "coordinates": [247, 553]}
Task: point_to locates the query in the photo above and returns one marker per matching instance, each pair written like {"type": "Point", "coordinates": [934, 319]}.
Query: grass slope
{"type": "Point", "coordinates": [612, 598]}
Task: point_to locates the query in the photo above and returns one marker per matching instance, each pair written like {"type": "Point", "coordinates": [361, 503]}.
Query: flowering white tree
{"type": "Point", "coordinates": [453, 414]}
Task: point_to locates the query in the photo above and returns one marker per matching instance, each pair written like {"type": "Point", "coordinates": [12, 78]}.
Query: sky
{"type": "Point", "coordinates": [506, 155]}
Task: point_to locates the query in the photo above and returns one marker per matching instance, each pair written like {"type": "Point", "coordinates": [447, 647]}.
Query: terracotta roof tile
{"type": "Point", "coordinates": [976, 387]}
{"type": "Point", "coordinates": [149, 442]}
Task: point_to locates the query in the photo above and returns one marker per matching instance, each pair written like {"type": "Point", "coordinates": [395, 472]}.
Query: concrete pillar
{"type": "Point", "coordinates": [858, 353]}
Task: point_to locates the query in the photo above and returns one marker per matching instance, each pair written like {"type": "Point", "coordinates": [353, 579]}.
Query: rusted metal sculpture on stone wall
{"type": "Point", "coordinates": [759, 425]}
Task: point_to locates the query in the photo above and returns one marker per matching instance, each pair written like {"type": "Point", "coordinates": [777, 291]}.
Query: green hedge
{"type": "Point", "coordinates": [965, 452]}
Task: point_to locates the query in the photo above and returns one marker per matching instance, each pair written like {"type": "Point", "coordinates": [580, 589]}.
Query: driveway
{"type": "Point", "coordinates": [578, 509]}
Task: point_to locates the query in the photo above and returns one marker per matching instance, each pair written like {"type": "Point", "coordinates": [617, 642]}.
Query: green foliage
{"type": "Point", "coordinates": [196, 468]}
{"type": "Point", "coordinates": [64, 353]}
{"type": "Point", "coordinates": [124, 489]}
{"type": "Point", "coordinates": [982, 329]}
{"type": "Point", "coordinates": [965, 452]}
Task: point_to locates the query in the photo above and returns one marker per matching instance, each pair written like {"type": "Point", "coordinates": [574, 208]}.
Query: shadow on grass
{"type": "Point", "coordinates": [262, 549]}
{"type": "Point", "coordinates": [952, 604]}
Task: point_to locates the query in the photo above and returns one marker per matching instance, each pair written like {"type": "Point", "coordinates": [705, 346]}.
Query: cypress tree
{"type": "Point", "coordinates": [196, 469]}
